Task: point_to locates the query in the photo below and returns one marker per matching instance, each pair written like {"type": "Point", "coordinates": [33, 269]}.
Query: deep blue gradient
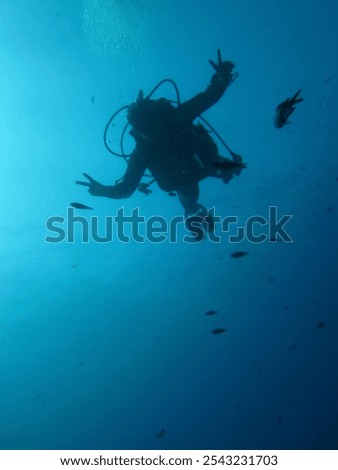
{"type": "Point", "coordinates": [102, 346]}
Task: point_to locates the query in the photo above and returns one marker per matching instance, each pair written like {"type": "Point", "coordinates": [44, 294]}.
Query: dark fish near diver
{"type": "Point", "coordinates": [239, 254]}
{"type": "Point", "coordinates": [219, 331]}
{"type": "Point", "coordinates": [211, 312]}
{"type": "Point", "coordinates": [160, 434]}
{"type": "Point", "coordinates": [78, 205]}
{"type": "Point", "coordinates": [285, 109]}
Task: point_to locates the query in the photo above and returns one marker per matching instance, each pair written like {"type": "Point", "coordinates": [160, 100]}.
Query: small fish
{"type": "Point", "coordinates": [78, 205]}
{"type": "Point", "coordinates": [285, 109]}
{"type": "Point", "coordinates": [93, 99]}
{"type": "Point", "coordinates": [330, 209]}
{"type": "Point", "coordinates": [328, 79]}
{"type": "Point", "coordinates": [294, 346]}
{"type": "Point", "coordinates": [239, 254]}
{"type": "Point", "coordinates": [285, 308]}
{"type": "Point", "coordinates": [211, 312]}
{"type": "Point", "coordinates": [171, 193]}
{"type": "Point", "coordinates": [321, 324]}
{"type": "Point", "coordinates": [219, 331]}
{"type": "Point", "coordinates": [160, 434]}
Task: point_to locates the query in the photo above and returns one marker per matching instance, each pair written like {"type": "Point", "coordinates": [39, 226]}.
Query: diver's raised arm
{"type": "Point", "coordinates": [219, 83]}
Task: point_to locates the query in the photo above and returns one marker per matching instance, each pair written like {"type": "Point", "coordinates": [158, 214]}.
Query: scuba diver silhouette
{"type": "Point", "coordinates": [177, 152]}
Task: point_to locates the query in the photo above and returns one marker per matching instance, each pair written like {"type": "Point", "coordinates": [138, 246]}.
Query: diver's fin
{"type": "Point", "coordinates": [294, 99]}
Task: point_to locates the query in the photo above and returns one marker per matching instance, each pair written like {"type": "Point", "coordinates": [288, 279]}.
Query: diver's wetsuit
{"type": "Point", "coordinates": [177, 153]}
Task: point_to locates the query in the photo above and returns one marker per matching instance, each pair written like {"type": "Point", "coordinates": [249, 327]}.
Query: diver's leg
{"type": "Point", "coordinates": [188, 196]}
{"type": "Point", "coordinates": [194, 212]}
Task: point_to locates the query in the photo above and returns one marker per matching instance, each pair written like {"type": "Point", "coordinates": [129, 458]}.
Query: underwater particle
{"type": "Point", "coordinates": [321, 324]}
{"type": "Point", "coordinates": [336, 179]}
{"type": "Point", "coordinates": [294, 346]}
{"type": "Point", "coordinates": [328, 79]}
{"type": "Point", "coordinates": [160, 434]}
{"type": "Point", "coordinates": [280, 420]}
{"type": "Point", "coordinates": [209, 313]}
{"type": "Point", "coordinates": [303, 167]}
{"type": "Point", "coordinates": [78, 205]}
{"type": "Point", "coordinates": [330, 209]}
{"type": "Point", "coordinates": [93, 99]}
{"type": "Point", "coordinates": [219, 331]}
{"type": "Point", "coordinates": [239, 254]}
{"type": "Point", "coordinates": [40, 399]}
{"type": "Point", "coordinates": [285, 308]}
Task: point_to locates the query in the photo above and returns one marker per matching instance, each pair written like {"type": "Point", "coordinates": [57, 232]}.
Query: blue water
{"type": "Point", "coordinates": [103, 346]}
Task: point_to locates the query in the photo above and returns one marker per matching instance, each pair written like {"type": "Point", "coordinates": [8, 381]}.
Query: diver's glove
{"type": "Point", "coordinates": [94, 187]}
{"type": "Point", "coordinates": [285, 109]}
{"type": "Point", "coordinates": [228, 168]}
{"type": "Point", "coordinates": [227, 164]}
{"type": "Point", "coordinates": [223, 76]}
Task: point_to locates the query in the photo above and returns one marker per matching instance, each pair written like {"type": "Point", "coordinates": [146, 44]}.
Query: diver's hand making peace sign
{"type": "Point", "coordinates": [94, 187]}
{"type": "Point", "coordinates": [223, 69]}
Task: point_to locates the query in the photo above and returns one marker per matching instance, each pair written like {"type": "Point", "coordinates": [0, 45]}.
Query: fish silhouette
{"type": "Point", "coordinates": [239, 254]}
{"type": "Point", "coordinates": [78, 205]}
{"type": "Point", "coordinates": [285, 109]}
{"type": "Point", "coordinates": [209, 313]}
{"type": "Point", "coordinates": [219, 331]}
